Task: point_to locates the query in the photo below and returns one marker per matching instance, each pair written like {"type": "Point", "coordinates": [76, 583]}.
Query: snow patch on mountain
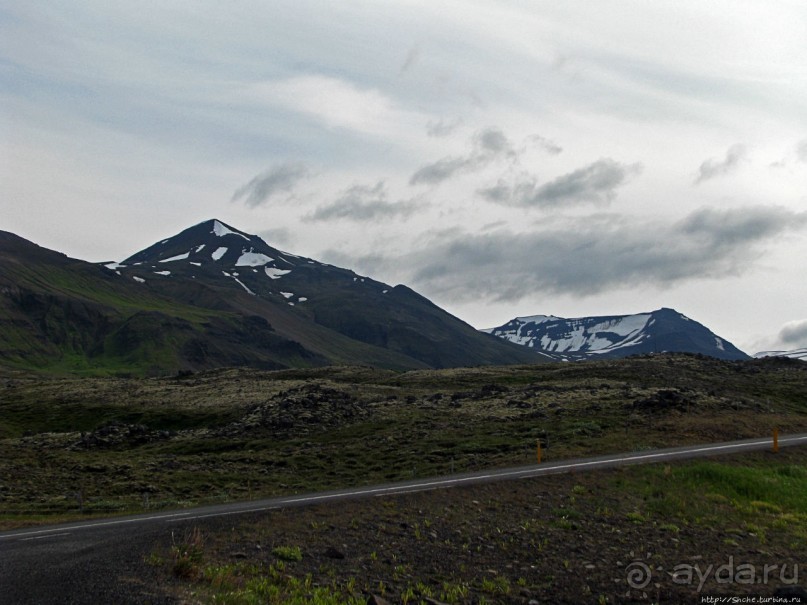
{"type": "Point", "coordinates": [243, 285]}
{"type": "Point", "coordinates": [275, 273]}
{"type": "Point", "coordinates": [253, 259]}
{"type": "Point", "coordinates": [219, 253]}
{"type": "Point", "coordinates": [177, 257]}
{"type": "Point", "coordinates": [221, 230]}
{"type": "Point", "coordinates": [597, 338]}
{"type": "Point", "coordinates": [537, 318]}
{"type": "Point", "coordinates": [615, 336]}
{"type": "Point", "coordinates": [793, 354]}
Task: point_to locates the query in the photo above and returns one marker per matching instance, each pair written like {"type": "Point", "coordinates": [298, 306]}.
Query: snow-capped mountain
{"type": "Point", "coordinates": [233, 259]}
{"type": "Point", "coordinates": [664, 330]}
{"type": "Point", "coordinates": [327, 309]}
{"type": "Point", "coordinates": [793, 354]}
{"type": "Point", "coordinates": [214, 296]}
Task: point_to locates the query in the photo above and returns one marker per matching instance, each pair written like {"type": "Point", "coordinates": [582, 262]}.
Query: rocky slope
{"type": "Point", "coordinates": [664, 330]}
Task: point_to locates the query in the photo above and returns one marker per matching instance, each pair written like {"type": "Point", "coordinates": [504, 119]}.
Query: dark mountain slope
{"type": "Point", "coordinates": [65, 314]}
{"type": "Point", "coordinates": [616, 336]}
{"type": "Point", "coordinates": [309, 301]}
{"type": "Point", "coordinates": [213, 296]}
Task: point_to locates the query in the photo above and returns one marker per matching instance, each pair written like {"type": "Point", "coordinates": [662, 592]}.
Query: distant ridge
{"type": "Point", "coordinates": [792, 354]}
{"type": "Point", "coordinates": [664, 330]}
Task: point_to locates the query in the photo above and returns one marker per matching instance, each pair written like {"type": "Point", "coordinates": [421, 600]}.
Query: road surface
{"type": "Point", "coordinates": [98, 561]}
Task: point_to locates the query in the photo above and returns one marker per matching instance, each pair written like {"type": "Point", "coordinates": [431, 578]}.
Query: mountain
{"type": "Point", "coordinates": [64, 314]}
{"type": "Point", "coordinates": [615, 336]}
{"type": "Point", "coordinates": [214, 296]}
{"type": "Point", "coordinates": [793, 354]}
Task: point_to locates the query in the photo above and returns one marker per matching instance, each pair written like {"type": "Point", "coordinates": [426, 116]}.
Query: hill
{"type": "Point", "coordinates": [212, 296]}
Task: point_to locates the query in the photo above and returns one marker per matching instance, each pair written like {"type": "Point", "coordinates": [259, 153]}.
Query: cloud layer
{"type": "Point", "coordinates": [364, 203]}
{"type": "Point", "coordinates": [489, 145]}
{"type": "Point", "coordinates": [712, 168]}
{"type": "Point", "coordinates": [589, 255]}
{"type": "Point", "coordinates": [276, 180]}
{"type": "Point", "coordinates": [596, 183]}
{"type": "Point", "coordinates": [801, 151]}
{"type": "Point", "coordinates": [794, 334]}
{"type": "Point", "coordinates": [123, 114]}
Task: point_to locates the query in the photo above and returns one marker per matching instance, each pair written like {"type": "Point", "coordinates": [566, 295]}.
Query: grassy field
{"type": "Point", "coordinates": [76, 447]}
{"type": "Point", "coordinates": [72, 446]}
{"type": "Point", "coordinates": [734, 526]}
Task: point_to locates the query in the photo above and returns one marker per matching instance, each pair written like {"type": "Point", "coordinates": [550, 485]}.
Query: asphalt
{"type": "Point", "coordinates": [102, 560]}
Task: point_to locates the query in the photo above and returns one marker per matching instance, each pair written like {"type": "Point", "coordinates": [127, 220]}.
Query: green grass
{"type": "Point", "coordinates": [763, 493]}
{"type": "Point", "coordinates": [288, 553]}
{"type": "Point", "coordinates": [403, 430]}
{"type": "Point", "coordinates": [30, 417]}
{"type": "Point", "coordinates": [754, 504]}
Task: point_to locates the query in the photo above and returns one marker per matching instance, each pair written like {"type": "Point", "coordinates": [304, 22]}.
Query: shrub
{"type": "Point", "coordinates": [288, 553]}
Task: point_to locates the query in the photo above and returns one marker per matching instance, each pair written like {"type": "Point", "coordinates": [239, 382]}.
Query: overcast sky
{"type": "Point", "coordinates": [502, 158]}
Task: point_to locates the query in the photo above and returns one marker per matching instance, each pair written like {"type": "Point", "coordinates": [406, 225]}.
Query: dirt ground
{"type": "Point", "coordinates": [581, 538]}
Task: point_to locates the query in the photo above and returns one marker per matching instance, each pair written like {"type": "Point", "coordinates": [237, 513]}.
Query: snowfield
{"type": "Point", "coordinates": [253, 259]}
{"type": "Point", "coordinates": [274, 273]}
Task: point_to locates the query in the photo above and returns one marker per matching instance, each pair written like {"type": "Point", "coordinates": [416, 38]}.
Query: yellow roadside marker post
{"type": "Point", "coordinates": [775, 440]}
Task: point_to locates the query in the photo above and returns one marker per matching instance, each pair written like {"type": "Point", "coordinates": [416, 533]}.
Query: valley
{"type": "Point", "coordinates": [88, 447]}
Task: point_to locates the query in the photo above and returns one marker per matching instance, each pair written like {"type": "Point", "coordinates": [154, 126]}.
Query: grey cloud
{"type": "Point", "coordinates": [596, 183]}
{"type": "Point", "coordinates": [801, 151]}
{"type": "Point", "coordinates": [794, 333]}
{"type": "Point", "coordinates": [586, 256]}
{"type": "Point", "coordinates": [412, 57]}
{"type": "Point", "coordinates": [712, 167]}
{"type": "Point", "coordinates": [493, 142]}
{"type": "Point", "coordinates": [730, 228]}
{"type": "Point", "coordinates": [502, 193]}
{"type": "Point", "coordinates": [279, 179]}
{"type": "Point", "coordinates": [442, 128]}
{"type": "Point", "coordinates": [547, 145]}
{"type": "Point", "coordinates": [364, 203]}
{"type": "Point", "coordinates": [281, 235]}
{"type": "Point", "coordinates": [439, 171]}
{"type": "Point", "coordinates": [488, 145]}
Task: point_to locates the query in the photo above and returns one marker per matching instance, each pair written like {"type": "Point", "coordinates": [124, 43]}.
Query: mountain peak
{"type": "Point", "coordinates": [221, 229]}
{"type": "Point", "coordinates": [615, 335]}
{"type": "Point", "coordinates": [203, 242]}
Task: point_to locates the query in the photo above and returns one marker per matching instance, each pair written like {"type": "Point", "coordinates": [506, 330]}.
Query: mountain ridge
{"type": "Point", "coordinates": [791, 353]}
{"type": "Point", "coordinates": [213, 296]}
{"type": "Point", "coordinates": [570, 339]}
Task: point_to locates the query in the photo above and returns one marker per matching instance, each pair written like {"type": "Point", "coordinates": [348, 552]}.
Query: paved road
{"type": "Point", "coordinates": [101, 560]}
